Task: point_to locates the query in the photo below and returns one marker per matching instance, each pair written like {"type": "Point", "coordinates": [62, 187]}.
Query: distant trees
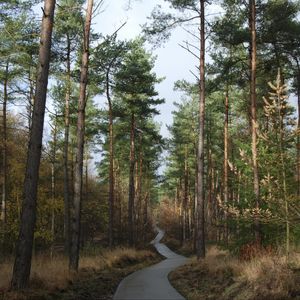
{"type": "Point", "coordinates": [246, 57]}
{"type": "Point", "coordinates": [161, 25]}
{"type": "Point", "coordinates": [232, 172]}
{"type": "Point", "coordinates": [54, 175]}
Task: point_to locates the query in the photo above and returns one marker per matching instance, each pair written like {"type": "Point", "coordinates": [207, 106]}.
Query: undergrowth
{"type": "Point", "coordinates": [222, 276]}
{"type": "Point", "coordinates": [98, 275]}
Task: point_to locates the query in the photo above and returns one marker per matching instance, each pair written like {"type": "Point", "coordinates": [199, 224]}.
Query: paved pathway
{"type": "Point", "coordinates": [152, 282]}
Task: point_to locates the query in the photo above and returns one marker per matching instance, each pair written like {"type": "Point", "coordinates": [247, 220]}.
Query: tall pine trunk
{"type": "Point", "coordinates": [78, 169]}
{"type": "Point", "coordinates": [111, 197]}
{"type": "Point", "coordinates": [185, 194]}
{"type": "Point", "coordinates": [131, 183]}
{"type": "Point", "coordinates": [4, 149]}
{"type": "Point", "coordinates": [66, 152]}
{"type": "Point", "coordinates": [200, 244]}
{"type": "Point", "coordinates": [139, 217]}
{"type": "Point", "coordinates": [298, 134]}
{"type": "Point", "coordinates": [30, 96]}
{"type": "Point", "coordinates": [252, 21]}
{"type": "Point", "coordinates": [226, 161]}
{"type": "Point", "coordinates": [22, 265]}
{"type": "Point", "coordinates": [53, 183]}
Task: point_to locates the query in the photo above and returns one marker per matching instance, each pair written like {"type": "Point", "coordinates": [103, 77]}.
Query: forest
{"type": "Point", "coordinates": [87, 175]}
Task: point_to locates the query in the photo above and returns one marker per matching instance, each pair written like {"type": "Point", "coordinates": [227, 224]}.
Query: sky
{"type": "Point", "coordinates": [173, 62]}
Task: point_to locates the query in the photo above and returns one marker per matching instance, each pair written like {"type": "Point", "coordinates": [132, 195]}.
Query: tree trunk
{"type": "Point", "coordinates": [298, 134]}
{"type": "Point", "coordinates": [209, 205]}
{"type": "Point", "coordinates": [66, 153]}
{"type": "Point", "coordinates": [185, 193]}
{"type": "Point", "coordinates": [282, 160]}
{"type": "Point", "coordinates": [4, 149]}
{"type": "Point", "coordinates": [111, 197]}
{"type": "Point", "coordinates": [139, 217]}
{"type": "Point", "coordinates": [22, 265]}
{"type": "Point", "coordinates": [78, 170]}
{"type": "Point", "coordinates": [195, 207]}
{"type": "Point", "coordinates": [53, 184]}
{"type": "Point", "coordinates": [131, 183]}
{"type": "Point", "coordinates": [252, 21]}
{"type": "Point", "coordinates": [200, 157]}
{"type": "Point", "coordinates": [32, 83]}
{"type": "Point", "coordinates": [226, 162]}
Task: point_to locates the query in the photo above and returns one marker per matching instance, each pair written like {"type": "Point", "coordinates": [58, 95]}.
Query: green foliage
{"type": "Point", "coordinates": [135, 83]}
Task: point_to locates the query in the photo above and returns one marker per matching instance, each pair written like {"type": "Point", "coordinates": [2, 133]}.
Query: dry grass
{"type": "Point", "coordinates": [269, 276]}
{"type": "Point", "coordinates": [221, 276]}
{"type": "Point", "coordinates": [54, 274]}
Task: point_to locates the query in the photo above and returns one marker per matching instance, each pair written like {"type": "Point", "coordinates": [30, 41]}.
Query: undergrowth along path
{"type": "Point", "coordinates": [152, 283]}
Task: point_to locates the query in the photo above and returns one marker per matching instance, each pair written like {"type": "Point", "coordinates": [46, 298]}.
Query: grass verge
{"type": "Point", "coordinates": [98, 276]}
{"type": "Point", "coordinates": [221, 276]}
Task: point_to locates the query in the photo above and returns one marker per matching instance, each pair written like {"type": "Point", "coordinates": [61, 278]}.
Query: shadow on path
{"type": "Point", "coordinates": [152, 282]}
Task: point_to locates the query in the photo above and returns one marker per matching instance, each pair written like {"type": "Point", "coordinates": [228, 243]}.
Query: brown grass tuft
{"type": "Point", "coordinates": [53, 274]}
{"type": "Point", "coordinates": [221, 276]}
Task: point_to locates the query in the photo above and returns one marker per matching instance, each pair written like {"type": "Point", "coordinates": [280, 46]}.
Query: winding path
{"type": "Point", "coordinates": [152, 282]}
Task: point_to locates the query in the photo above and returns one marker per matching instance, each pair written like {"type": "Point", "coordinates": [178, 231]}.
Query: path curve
{"type": "Point", "coordinates": [152, 282]}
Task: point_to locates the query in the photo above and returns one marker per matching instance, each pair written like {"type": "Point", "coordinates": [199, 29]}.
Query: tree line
{"type": "Point", "coordinates": [54, 202]}
{"type": "Point", "coordinates": [235, 135]}
{"type": "Point", "coordinates": [233, 171]}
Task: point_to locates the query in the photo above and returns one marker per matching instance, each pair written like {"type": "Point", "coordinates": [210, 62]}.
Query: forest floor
{"type": "Point", "coordinates": [224, 276]}
{"type": "Point", "coordinates": [98, 277]}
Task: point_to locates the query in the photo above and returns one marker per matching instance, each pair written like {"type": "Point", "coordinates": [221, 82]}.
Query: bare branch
{"type": "Point", "coordinates": [197, 77]}
{"type": "Point", "coordinates": [188, 49]}
{"type": "Point", "coordinates": [191, 33]}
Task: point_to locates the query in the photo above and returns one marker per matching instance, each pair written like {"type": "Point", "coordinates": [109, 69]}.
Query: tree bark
{"type": "Point", "coordinates": [66, 153]}
{"type": "Point", "coordinates": [298, 134]}
{"type": "Point", "coordinates": [32, 83]}
{"type": "Point", "coordinates": [22, 265]}
{"type": "Point", "coordinates": [185, 193]}
{"type": "Point", "coordinates": [111, 197]}
{"type": "Point", "coordinates": [4, 149]}
{"type": "Point", "coordinates": [252, 21]}
{"type": "Point", "coordinates": [200, 158]}
{"type": "Point", "coordinates": [131, 183]}
{"type": "Point", "coordinates": [226, 161]}
{"type": "Point", "coordinates": [138, 197]}
{"type": "Point", "coordinates": [53, 184]}
{"type": "Point", "coordinates": [78, 169]}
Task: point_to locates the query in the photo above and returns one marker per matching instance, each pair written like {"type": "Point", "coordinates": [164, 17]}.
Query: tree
{"type": "Point", "coordinates": [135, 85]}
{"type": "Point", "coordinates": [162, 23]}
{"type": "Point", "coordinates": [15, 36]}
{"type": "Point", "coordinates": [67, 37]}
{"type": "Point", "coordinates": [200, 153]}
{"type": "Point", "coordinates": [22, 263]}
{"type": "Point", "coordinates": [107, 58]}
{"type": "Point", "coordinates": [76, 207]}
{"type": "Point", "coordinates": [252, 27]}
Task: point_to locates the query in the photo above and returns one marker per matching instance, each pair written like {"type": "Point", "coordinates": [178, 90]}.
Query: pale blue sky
{"type": "Point", "coordinates": [172, 62]}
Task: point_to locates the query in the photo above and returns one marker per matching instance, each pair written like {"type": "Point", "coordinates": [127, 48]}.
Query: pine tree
{"type": "Point", "coordinates": [135, 86]}
{"type": "Point", "coordinates": [22, 264]}
{"type": "Point", "coordinates": [76, 205]}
